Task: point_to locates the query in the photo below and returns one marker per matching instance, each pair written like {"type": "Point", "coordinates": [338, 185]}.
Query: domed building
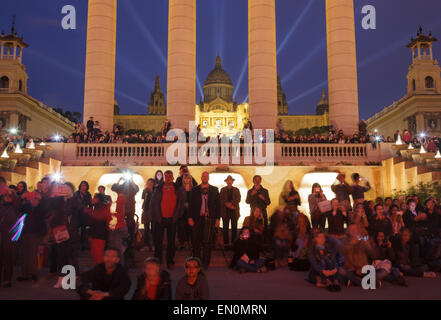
{"type": "Point", "coordinates": [218, 113]}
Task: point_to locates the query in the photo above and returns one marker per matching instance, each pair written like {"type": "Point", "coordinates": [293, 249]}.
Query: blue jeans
{"type": "Point", "coordinates": [251, 267]}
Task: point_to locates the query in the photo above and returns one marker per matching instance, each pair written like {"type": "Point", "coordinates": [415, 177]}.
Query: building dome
{"type": "Point", "coordinates": [218, 75]}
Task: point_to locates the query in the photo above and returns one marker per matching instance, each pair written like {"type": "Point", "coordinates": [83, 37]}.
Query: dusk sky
{"type": "Point", "coordinates": [55, 59]}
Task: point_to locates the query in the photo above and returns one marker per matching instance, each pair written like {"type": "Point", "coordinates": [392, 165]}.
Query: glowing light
{"type": "Point", "coordinates": [57, 177]}
{"type": "Point", "coordinates": [438, 155]}
{"type": "Point", "coordinates": [4, 154]}
{"type": "Point", "coordinates": [399, 142]}
{"type": "Point", "coordinates": [13, 131]}
{"type": "Point", "coordinates": [325, 179]}
{"type": "Point", "coordinates": [42, 144]}
{"type": "Point", "coordinates": [107, 180]}
{"type": "Point", "coordinates": [422, 150]}
{"type": "Point", "coordinates": [377, 138]}
{"type": "Point", "coordinates": [422, 135]}
{"type": "Point", "coordinates": [411, 146]}
{"type": "Point", "coordinates": [31, 145]}
{"type": "Point", "coordinates": [18, 228]}
{"type": "Point", "coordinates": [128, 176]}
{"type": "Point", "coordinates": [18, 149]}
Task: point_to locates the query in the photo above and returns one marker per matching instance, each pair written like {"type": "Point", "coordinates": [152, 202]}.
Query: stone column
{"type": "Point", "coordinates": [342, 65]}
{"type": "Point", "coordinates": [262, 57]}
{"type": "Point", "coordinates": [99, 89]}
{"type": "Point", "coordinates": [181, 71]}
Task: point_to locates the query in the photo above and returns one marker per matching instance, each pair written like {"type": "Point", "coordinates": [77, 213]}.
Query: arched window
{"type": "Point", "coordinates": [20, 85]}
{"type": "Point", "coordinates": [4, 82]}
{"type": "Point", "coordinates": [413, 85]}
{"type": "Point", "coordinates": [429, 82]}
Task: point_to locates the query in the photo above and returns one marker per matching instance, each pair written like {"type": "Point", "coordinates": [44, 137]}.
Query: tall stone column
{"type": "Point", "coordinates": [262, 57]}
{"type": "Point", "coordinates": [99, 89]}
{"type": "Point", "coordinates": [342, 65]}
{"type": "Point", "coordinates": [181, 72]}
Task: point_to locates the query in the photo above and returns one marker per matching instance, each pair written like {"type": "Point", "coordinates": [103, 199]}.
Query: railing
{"type": "Point", "coordinates": [244, 154]}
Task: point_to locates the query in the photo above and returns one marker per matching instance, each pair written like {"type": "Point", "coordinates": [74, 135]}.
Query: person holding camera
{"type": "Point", "coordinates": [258, 196]}
{"type": "Point", "coordinates": [358, 190]}
{"type": "Point", "coordinates": [204, 218]}
{"type": "Point", "coordinates": [342, 191]}
{"type": "Point", "coordinates": [317, 212]}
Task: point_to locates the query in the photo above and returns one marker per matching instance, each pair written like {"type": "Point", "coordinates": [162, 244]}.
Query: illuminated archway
{"type": "Point", "coordinates": [217, 180]}
{"type": "Point", "coordinates": [107, 180]}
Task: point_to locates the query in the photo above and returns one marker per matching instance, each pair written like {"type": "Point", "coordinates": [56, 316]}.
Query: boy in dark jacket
{"type": "Point", "coordinates": [153, 284]}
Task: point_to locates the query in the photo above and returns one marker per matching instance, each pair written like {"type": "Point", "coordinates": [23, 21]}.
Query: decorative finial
{"type": "Point", "coordinates": [13, 24]}
{"type": "Point", "coordinates": [420, 30]}
{"type": "Point", "coordinates": [218, 61]}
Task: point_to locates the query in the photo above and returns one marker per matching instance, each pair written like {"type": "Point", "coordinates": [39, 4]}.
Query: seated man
{"type": "Point", "coordinates": [105, 281]}
{"type": "Point", "coordinates": [152, 283]}
{"type": "Point", "coordinates": [194, 285]}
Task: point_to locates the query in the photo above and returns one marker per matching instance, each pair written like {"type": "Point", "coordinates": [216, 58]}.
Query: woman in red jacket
{"type": "Point", "coordinates": [98, 217]}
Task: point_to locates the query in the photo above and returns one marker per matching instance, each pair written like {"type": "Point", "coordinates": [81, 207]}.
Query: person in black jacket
{"type": "Point", "coordinates": [204, 218]}
{"type": "Point", "coordinates": [247, 253]}
{"type": "Point", "coordinates": [153, 284]}
{"type": "Point", "coordinates": [105, 281]}
{"type": "Point", "coordinates": [258, 196]}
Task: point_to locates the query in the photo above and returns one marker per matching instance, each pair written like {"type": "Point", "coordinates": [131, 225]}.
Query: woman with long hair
{"type": "Point", "coordinates": [289, 197]}
{"type": "Point", "coordinates": [318, 218]}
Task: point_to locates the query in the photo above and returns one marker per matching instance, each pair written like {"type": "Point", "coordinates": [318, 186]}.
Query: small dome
{"type": "Point", "coordinates": [218, 75]}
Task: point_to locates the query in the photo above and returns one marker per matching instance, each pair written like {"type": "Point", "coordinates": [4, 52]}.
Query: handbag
{"type": "Point", "coordinates": [324, 206]}
{"type": "Point", "coordinates": [61, 234]}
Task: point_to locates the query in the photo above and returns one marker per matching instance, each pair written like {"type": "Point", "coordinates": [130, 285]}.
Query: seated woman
{"type": "Point", "coordinates": [246, 254]}
{"type": "Point", "coordinates": [407, 256]}
{"type": "Point", "coordinates": [324, 269]}
{"type": "Point", "coordinates": [282, 237]}
{"type": "Point", "coordinates": [152, 283]}
{"type": "Point", "coordinates": [256, 224]}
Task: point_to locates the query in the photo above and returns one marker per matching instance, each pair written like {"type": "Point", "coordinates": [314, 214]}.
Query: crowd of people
{"type": "Point", "coordinates": [400, 237]}
{"type": "Point", "coordinates": [92, 133]}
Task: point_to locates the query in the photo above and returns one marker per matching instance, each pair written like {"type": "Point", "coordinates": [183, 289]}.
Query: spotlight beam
{"type": "Point", "coordinates": [308, 92]}
{"type": "Point", "coordinates": [145, 31]}
{"type": "Point", "coordinates": [294, 27]}
{"type": "Point", "coordinates": [317, 49]}
{"type": "Point", "coordinates": [241, 76]}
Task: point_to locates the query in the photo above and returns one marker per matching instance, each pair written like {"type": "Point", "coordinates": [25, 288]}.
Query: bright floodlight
{"type": "Point", "coordinates": [411, 146]}
{"type": "Point", "coordinates": [438, 155]}
{"type": "Point", "coordinates": [377, 138]}
{"type": "Point", "coordinates": [31, 145]}
{"type": "Point", "coordinates": [13, 131]}
{"type": "Point", "coordinates": [422, 150]}
{"type": "Point", "coordinates": [422, 134]}
{"type": "Point", "coordinates": [42, 143]}
{"type": "Point", "coordinates": [57, 137]}
{"type": "Point", "coordinates": [57, 177]}
{"type": "Point", "coordinates": [128, 176]}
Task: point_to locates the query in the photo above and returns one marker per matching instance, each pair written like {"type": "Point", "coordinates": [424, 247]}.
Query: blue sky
{"type": "Point", "coordinates": [55, 59]}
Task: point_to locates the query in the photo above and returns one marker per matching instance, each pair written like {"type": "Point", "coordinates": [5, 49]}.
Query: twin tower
{"type": "Point", "coordinates": [181, 74]}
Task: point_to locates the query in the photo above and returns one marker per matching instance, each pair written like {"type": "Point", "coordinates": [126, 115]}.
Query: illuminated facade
{"type": "Point", "coordinates": [218, 114]}
{"type": "Point", "coordinates": [419, 110]}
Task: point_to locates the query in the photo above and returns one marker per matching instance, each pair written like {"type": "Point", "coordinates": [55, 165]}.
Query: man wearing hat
{"type": "Point", "coordinates": [230, 199]}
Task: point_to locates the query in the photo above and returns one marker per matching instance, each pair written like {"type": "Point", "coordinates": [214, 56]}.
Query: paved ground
{"type": "Point", "coordinates": [226, 284]}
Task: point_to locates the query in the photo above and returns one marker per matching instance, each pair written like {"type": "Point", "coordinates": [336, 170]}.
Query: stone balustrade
{"type": "Point", "coordinates": [209, 154]}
